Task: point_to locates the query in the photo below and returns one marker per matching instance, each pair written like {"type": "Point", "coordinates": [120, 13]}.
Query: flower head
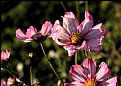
{"type": "Point", "coordinates": [3, 83]}
{"type": "Point", "coordinates": [5, 55]}
{"type": "Point", "coordinates": [32, 33]}
{"type": "Point", "coordinates": [10, 81]}
{"type": "Point", "coordinates": [74, 36]}
{"type": "Point", "coordinates": [87, 75]}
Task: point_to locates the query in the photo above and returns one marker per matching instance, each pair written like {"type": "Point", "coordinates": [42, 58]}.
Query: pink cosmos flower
{"type": "Point", "coordinates": [32, 33]}
{"type": "Point", "coordinates": [3, 83]}
{"type": "Point", "coordinates": [5, 55]}
{"type": "Point", "coordinates": [74, 36]}
{"type": "Point", "coordinates": [88, 75]}
{"type": "Point", "coordinates": [10, 81]}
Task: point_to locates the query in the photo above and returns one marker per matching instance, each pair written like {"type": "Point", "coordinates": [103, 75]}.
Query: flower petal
{"type": "Point", "coordinates": [77, 73]}
{"type": "Point", "coordinates": [74, 83]}
{"type": "Point", "coordinates": [103, 72]}
{"type": "Point", "coordinates": [95, 32]}
{"type": "Point", "coordinates": [95, 49]}
{"type": "Point", "coordinates": [21, 36]}
{"type": "Point", "coordinates": [87, 23]}
{"type": "Point", "coordinates": [110, 82]}
{"type": "Point", "coordinates": [31, 31]}
{"type": "Point", "coordinates": [46, 28]}
{"type": "Point", "coordinates": [55, 25]}
{"type": "Point", "coordinates": [71, 49]}
{"type": "Point", "coordinates": [5, 55]}
{"type": "Point", "coordinates": [55, 38]}
{"type": "Point", "coordinates": [70, 22]}
{"type": "Point", "coordinates": [90, 64]}
{"type": "Point", "coordinates": [93, 42]}
{"type": "Point", "coordinates": [63, 34]}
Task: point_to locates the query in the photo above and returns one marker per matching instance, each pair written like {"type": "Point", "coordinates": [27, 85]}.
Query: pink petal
{"type": "Point", "coordinates": [31, 31]}
{"type": "Point", "coordinates": [60, 33]}
{"type": "Point", "coordinates": [54, 29]}
{"type": "Point", "coordinates": [70, 22]}
{"type": "Point", "coordinates": [63, 34]}
{"type": "Point", "coordinates": [90, 64]}
{"type": "Point", "coordinates": [95, 49]}
{"type": "Point", "coordinates": [69, 15]}
{"type": "Point", "coordinates": [77, 73]}
{"type": "Point", "coordinates": [110, 82]}
{"type": "Point", "coordinates": [5, 55]}
{"type": "Point", "coordinates": [83, 46]}
{"type": "Point", "coordinates": [88, 16]}
{"type": "Point", "coordinates": [87, 24]}
{"type": "Point", "coordinates": [93, 42]}
{"type": "Point", "coordinates": [74, 83]}
{"type": "Point", "coordinates": [71, 49]}
{"type": "Point", "coordinates": [103, 72]}
{"type": "Point", "coordinates": [55, 25]}
{"type": "Point", "coordinates": [95, 32]}
{"type": "Point", "coordinates": [46, 28]}
{"type": "Point", "coordinates": [55, 38]}
{"type": "Point", "coordinates": [3, 83]}
{"type": "Point", "coordinates": [20, 35]}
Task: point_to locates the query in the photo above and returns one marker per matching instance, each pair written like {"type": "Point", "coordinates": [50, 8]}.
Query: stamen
{"type": "Point", "coordinates": [91, 82]}
{"type": "Point", "coordinates": [76, 38]}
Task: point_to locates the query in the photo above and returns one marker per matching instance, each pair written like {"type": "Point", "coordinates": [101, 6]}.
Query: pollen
{"type": "Point", "coordinates": [76, 38]}
{"type": "Point", "coordinates": [91, 83]}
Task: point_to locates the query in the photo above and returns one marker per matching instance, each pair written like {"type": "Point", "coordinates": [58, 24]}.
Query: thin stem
{"type": "Point", "coordinates": [63, 6]}
{"type": "Point", "coordinates": [50, 64]}
{"type": "Point", "coordinates": [10, 72]}
{"type": "Point", "coordinates": [77, 10]}
{"type": "Point", "coordinates": [86, 5]}
{"type": "Point", "coordinates": [89, 54]}
{"type": "Point", "coordinates": [76, 57]}
{"type": "Point", "coordinates": [86, 53]}
{"type": "Point", "coordinates": [14, 75]}
{"type": "Point", "coordinates": [31, 75]}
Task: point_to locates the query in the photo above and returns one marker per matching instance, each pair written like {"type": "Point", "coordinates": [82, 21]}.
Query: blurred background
{"type": "Point", "coordinates": [23, 14]}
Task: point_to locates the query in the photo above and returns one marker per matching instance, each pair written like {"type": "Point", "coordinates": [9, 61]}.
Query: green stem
{"type": "Point", "coordinates": [86, 5]}
{"type": "Point", "coordinates": [76, 57]}
{"type": "Point", "coordinates": [86, 53]}
{"type": "Point", "coordinates": [50, 64]}
{"type": "Point", "coordinates": [14, 75]}
{"type": "Point", "coordinates": [10, 72]}
{"type": "Point", "coordinates": [31, 75]}
{"type": "Point", "coordinates": [77, 10]}
{"type": "Point", "coordinates": [63, 6]}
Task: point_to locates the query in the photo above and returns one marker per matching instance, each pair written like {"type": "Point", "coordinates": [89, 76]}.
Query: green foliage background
{"type": "Point", "coordinates": [22, 14]}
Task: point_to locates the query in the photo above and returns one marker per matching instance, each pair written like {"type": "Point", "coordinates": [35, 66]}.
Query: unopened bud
{"type": "Point", "coordinates": [31, 55]}
{"type": "Point", "coordinates": [59, 83]}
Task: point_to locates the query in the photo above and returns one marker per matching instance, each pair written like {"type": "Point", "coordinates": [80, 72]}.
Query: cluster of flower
{"type": "Point", "coordinates": [73, 37]}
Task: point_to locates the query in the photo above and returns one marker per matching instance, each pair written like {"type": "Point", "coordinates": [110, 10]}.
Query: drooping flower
{"type": "Point", "coordinates": [74, 36]}
{"type": "Point", "coordinates": [88, 75]}
{"type": "Point", "coordinates": [5, 55]}
{"type": "Point", "coordinates": [32, 33]}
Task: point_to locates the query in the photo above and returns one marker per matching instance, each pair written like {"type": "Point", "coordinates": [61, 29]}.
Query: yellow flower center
{"type": "Point", "coordinates": [76, 38]}
{"type": "Point", "coordinates": [91, 83]}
